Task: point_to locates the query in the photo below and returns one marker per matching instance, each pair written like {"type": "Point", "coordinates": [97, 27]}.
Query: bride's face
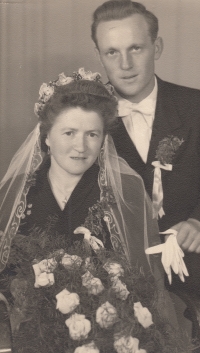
{"type": "Point", "coordinates": [75, 140]}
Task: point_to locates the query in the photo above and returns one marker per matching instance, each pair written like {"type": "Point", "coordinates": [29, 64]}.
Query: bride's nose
{"type": "Point", "coordinates": [80, 144]}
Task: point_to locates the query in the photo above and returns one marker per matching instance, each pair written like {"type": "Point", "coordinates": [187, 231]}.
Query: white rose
{"type": "Point", "coordinates": [89, 265]}
{"type": "Point", "coordinates": [79, 326]}
{"type": "Point", "coordinates": [44, 279]}
{"type": "Point", "coordinates": [114, 269]}
{"type": "Point", "coordinates": [45, 92]}
{"type": "Point", "coordinates": [66, 301]}
{"type": "Point", "coordinates": [93, 284]}
{"type": "Point", "coordinates": [106, 315]}
{"type": "Point", "coordinates": [47, 265]}
{"type": "Point", "coordinates": [63, 80]}
{"type": "Point", "coordinates": [69, 261]}
{"type": "Point", "coordinates": [143, 315]}
{"type": "Point", "coordinates": [87, 348]}
{"type": "Point", "coordinates": [120, 289]}
{"type": "Point", "coordinates": [127, 345]}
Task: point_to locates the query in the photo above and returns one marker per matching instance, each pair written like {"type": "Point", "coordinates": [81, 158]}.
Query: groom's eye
{"type": "Point", "coordinates": [111, 52]}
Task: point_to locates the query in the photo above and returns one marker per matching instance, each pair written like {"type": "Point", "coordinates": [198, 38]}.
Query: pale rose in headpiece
{"type": "Point", "coordinates": [66, 301]}
{"type": "Point", "coordinates": [63, 80]}
{"type": "Point", "coordinates": [106, 315]}
{"type": "Point", "coordinates": [88, 75]}
{"type": "Point", "coordinates": [37, 107]}
{"type": "Point", "coordinates": [87, 348]}
{"type": "Point", "coordinates": [45, 92]}
{"type": "Point", "coordinates": [79, 326]}
{"type": "Point", "coordinates": [143, 315]}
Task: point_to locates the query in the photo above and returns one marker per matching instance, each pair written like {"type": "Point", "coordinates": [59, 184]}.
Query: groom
{"type": "Point", "coordinates": [150, 110]}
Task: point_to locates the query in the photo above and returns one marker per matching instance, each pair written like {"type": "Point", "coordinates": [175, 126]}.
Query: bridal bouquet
{"type": "Point", "coordinates": [70, 299]}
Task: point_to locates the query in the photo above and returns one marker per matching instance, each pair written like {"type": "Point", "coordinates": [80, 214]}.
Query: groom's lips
{"type": "Point", "coordinates": [129, 77]}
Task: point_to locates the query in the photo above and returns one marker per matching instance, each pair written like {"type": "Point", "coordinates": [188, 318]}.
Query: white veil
{"type": "Point", "coordinates": [128, 215]}
{"type": "Point", "coordinates": [14, 188]}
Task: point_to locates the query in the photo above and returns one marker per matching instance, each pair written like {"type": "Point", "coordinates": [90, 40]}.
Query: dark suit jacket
{"type": "Point", "coordinates": [178, 114]}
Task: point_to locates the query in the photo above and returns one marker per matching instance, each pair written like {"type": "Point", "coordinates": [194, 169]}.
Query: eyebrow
{"type": "Point", "coordinates": [95, 130]}
{"type": "Point", "coordinates": [73, 129]}
{"type": "Point", "coordinates": [130, 47]}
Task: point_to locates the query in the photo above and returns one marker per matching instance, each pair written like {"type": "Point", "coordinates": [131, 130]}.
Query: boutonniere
{"type": "Point", "coordinates": [164, 154]}
{"type": "Point", "coordinates": [167, 149]}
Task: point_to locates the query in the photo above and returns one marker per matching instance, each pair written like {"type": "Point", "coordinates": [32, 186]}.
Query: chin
{"type": "Point", "coordinates": [77, 171]}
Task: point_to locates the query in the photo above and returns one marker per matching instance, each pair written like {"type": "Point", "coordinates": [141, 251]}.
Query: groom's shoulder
{"type": "Point", "coordinates": [178, 91]}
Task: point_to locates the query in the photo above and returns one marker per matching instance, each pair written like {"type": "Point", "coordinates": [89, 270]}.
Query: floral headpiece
{"type": "Point", "coordinates": [47, 90]}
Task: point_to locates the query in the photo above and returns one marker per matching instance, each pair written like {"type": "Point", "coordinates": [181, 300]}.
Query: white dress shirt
{"type": "Point", "coordinates": [138, 119]}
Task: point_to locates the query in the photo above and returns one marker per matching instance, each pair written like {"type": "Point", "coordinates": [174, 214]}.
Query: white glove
{"type": "Point", "coordinates": [172, 256]}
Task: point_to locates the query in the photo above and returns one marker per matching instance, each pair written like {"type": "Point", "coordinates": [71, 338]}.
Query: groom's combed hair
{"type": "Point", "coordinates": [85, 94]}
{"type": "Point", "coordinates": [118, 10]}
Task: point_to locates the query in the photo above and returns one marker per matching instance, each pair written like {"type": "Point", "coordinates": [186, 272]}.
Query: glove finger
{"type": "Point", "coordinates": [180, 274]}
{"type": "Point", "coordinates": [155, 249]}
{"type": "Point", "coordinates": [184, 268]}
{"type": "Point", "coordinates": [169, 251]}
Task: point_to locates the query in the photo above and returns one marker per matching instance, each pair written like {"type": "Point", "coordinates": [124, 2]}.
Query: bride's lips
{"type": "Point", "coordinates": [78, 158]}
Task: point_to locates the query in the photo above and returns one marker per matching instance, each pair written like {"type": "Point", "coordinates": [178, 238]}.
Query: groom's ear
{"type": "Point", "coordinates": [97, 54]}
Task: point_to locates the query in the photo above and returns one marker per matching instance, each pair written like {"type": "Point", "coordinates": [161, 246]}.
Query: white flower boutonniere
{"type": "Point", "coordinates": [165, 152]}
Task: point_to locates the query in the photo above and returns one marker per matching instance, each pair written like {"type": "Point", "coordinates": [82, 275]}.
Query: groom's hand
{"type": "Point", "coordinates": [188, 236]}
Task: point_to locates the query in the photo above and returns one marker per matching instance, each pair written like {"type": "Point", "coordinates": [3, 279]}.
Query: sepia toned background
{"type": "Point", "coordinates": [41, 38]}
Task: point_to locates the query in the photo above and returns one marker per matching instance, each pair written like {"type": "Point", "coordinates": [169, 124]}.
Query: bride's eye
{"type": "Point", "coordinates": [93, 134]}
{"type": "Point", "coordinates": [68, 133]}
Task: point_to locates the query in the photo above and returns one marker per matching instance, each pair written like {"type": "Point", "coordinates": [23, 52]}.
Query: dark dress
{"type": "Point", "coordinates": [43, 210]}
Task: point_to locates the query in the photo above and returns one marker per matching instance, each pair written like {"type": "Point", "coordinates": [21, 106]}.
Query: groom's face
{"type": "Point", "coordinates": [127, 53]}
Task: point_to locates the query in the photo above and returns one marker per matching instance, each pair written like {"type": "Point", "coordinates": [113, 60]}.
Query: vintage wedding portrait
{"type": "Point", "coordinates": [100, 176]}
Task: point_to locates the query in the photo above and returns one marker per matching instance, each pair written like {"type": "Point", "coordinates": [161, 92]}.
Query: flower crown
{"type": "Point", "coordinates": [47, 90]}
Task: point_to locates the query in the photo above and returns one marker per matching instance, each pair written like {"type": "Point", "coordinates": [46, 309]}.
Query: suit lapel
{"type": "Point", "coordinates": [126, 148]}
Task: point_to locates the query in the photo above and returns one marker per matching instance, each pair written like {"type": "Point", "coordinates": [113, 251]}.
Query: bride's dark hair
{"type": "Point", "coordinates": [86, 94]}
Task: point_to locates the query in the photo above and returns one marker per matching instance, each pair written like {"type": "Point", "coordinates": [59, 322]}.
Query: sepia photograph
{"type": "Point", "coordinates": [100, 176]}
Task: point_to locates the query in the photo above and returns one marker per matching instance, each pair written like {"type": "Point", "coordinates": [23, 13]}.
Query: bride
{"type": "Point", "coordinates": [55, 177]}
{"type": "Point", "coordinates": [67, 180]}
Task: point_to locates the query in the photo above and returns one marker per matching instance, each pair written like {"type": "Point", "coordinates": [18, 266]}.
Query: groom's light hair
{"type": "Point", "coordinates": [118, 10]}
